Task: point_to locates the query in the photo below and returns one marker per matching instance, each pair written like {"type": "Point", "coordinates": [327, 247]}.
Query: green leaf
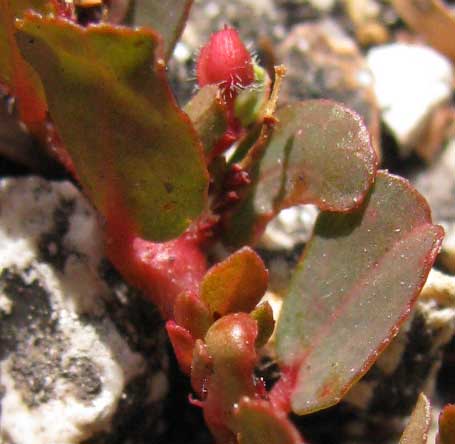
{"type": "Point", "coordinates": [416, 431]}
{"type": "Point", "coordinates": [244, 145]}
{"type": "Point", "coordinates": [446, 434]}
{"type": "Point", "coordinates": [110, 100]}
{"type": "Point", "coordinates": [259, 423]}
{"type": "Point", "coordinates": [319, 152]}
{"type": "Point", "coordinates": [208, 115]}
{"type": "Point", "coordinates": [167, 17]}
{"type": "Point", "coordinates": [263, 315]}
{"type": "Point", "coordinates": [355, 284]}
{"type": "Point", "coordinates": [250, 103]}
{"type": "Point", "coordinates": [236, 284]}
{"type": "Point", "coordinates": [16, 76]}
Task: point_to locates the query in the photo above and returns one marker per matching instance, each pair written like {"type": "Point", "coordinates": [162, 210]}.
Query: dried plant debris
{"type": "Point", "coordinates": [433, 20]}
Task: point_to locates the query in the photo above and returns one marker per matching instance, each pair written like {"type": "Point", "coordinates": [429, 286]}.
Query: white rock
{"type": "Point", "coordinates": [69, 352]}
{"type": "Point", "coordinates": [410, 81]}
{"type": "Point", "coordinates": [292, 226]}
{"type": "Point", "coordinates": [323, 5]}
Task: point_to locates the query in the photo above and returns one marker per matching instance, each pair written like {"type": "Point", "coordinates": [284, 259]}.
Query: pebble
{"type": "Point", "coordinates": [410, 82]}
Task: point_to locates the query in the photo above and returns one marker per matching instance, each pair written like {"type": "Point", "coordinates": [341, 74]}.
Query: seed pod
{"type": "Point", "coordinates": [226, 62]}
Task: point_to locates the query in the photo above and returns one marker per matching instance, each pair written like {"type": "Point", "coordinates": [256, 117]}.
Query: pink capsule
{"type": "Point", "coordinates": [225, 61]}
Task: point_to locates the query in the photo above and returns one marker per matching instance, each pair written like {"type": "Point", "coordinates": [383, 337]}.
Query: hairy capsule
{"type": "Point", "coordinates": [225, 61]}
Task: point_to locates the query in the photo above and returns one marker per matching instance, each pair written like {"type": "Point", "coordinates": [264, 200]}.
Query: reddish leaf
{"type": "Point", "coordinates": [230, 344]}
{"type": "Point", "coordinates": [201, 369]}
{"type": "Point", "coordinates": [319, 152]}
{"type": "Point", "coordinates": [191, 313]}
{"type": "Point", "coordinates": [259, 423]}
{"type": "Point", "coordinates": [446, 433]}
{"type": "Point", "coordinates": [183, 345]}
{"type": "Point", "coordinates": [109, 98]}
{"type": "Point", "coordinates": [416, 431]}
{"type": "Point", "coordinates": [16, 75]}
{"type": "Point", "coordinates": [236, 284]}
{"type": "Point", "coordinates": [356, 283]}
{"type": "Point", "coordinates": [167, 17]}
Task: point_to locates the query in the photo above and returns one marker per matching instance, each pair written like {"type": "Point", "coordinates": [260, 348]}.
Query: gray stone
{"type": "Point", "coordinates": [15, 142]}
{"type": "Point", "coordinates": [82, 355]}
{"type": "Point", "coordinates": [291, 227]}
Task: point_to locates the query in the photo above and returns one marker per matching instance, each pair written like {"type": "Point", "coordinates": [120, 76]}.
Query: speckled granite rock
{"type": "Point", "coordinates": [82, 356]}
{"type": "Point", "coordinates": [325, 63]}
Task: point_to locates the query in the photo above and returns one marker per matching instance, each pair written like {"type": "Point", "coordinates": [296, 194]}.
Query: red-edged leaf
{"type": "Point", "coordinates": [191, 313]}
{"type": "Point", "coordinates": [259, 423]}
{"type": "Point", "coordinates": [416, 431]}
{"type": "Point", "coordinates": [230, 344]}
{"type": "Point", "coordinates": [236, 284]}
{"type": "Point", "coordinates": [16, 75]}
{"type": "Point", "coordinates": [182, 343]}
{"type": "Point", "coordinates": [356, 283]}
{"type": "Point", "coordinates": [319, 152]}
{"type": "Point", "coordinates": [201, 369]}
{"type": "Point", "coordinates": [167, 17]}
{"type": "Point", "coordinates": [446, 434]}
{"type": "Point", "coordinates": [109, 98]}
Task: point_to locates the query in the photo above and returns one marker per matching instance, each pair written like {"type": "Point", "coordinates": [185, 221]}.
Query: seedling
{"type": "Point", "coordinates": [159, 178]}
